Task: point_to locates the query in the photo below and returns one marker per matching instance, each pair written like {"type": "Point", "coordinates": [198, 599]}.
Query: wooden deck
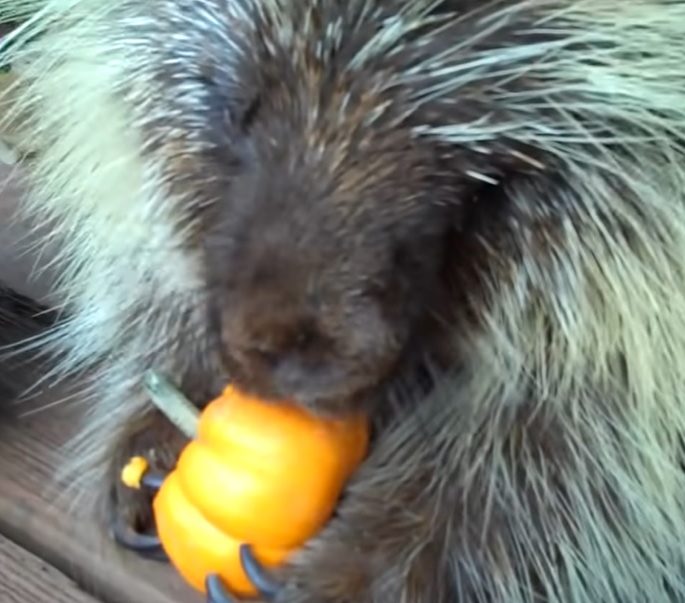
{"type": "Point", "coordinates": [49, 553]}
{"type": "Point", "coordinates": [19, 570]}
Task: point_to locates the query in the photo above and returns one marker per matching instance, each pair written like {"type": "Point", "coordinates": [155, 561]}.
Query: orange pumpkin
{"type": "Point", "coordinates": [268, 475]}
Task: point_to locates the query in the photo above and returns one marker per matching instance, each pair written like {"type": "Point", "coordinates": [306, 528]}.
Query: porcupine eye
{"type": "Point", "coordinates": [239, 114]}
{"type": "Point", "coordinates": [250, 113]}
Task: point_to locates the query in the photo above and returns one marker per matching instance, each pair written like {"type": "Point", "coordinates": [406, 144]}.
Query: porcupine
{"type": "Point", "coordinates": [467, 217]}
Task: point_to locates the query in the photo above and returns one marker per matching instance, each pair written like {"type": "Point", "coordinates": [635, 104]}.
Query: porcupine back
{"type": "Point", "coordinates": [577, 294]}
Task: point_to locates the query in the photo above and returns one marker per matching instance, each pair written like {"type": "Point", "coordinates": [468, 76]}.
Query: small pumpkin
{"type": "Point", "coordinates": [265, 474]}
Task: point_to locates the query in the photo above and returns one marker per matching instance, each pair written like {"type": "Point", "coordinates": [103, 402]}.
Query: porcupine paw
{"type": "Point", "coordinates": [333, 567]}
{"type": "Point", "coordinates": [130, 509]}
{"type": "Point", "coordinates": [265, 582]}
{"type": "Point", "coordinates": [329, 572]}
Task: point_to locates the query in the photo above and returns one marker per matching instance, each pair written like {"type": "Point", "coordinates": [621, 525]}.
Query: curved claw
{"type": "Point", "coordinates": [261, 579]}
{"type": "Point", "coordinates": [216, 593]}
{"type": "Point", "coordinates": [153, 480]}
{"type": "Point", "coordinates": [146, 545]}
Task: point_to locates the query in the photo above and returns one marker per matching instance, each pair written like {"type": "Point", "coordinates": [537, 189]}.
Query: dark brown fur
{"type": "Point", "coordinates": [347, 261]}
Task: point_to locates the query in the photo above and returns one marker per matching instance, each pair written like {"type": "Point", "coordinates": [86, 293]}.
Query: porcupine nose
{"type": "Point", "coordinates": [260, 321]}
{"type": "Point", "coordinates": [274, 342]}
{"type": "Point", "coordinates": [267, 337]}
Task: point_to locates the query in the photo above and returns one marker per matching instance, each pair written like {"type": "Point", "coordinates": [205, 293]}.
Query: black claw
{"type": "Point", "coordinates": [261, 579]}
{"type": "Point", "coordinates": [146, 545]}
{"type": "Point", "coordinates": [153, 480]}
{"type": "Point", "coordinates": [216, 593]}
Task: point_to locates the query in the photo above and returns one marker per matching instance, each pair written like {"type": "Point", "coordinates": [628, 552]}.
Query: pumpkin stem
{"type": "Point", "coordinates": [172, 403]}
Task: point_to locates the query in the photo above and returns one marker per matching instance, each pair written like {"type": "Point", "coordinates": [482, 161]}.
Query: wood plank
{"type": "Point", "coordinates": [25, 578]}
{"type": "Point", "coordinates": [33, 515]}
